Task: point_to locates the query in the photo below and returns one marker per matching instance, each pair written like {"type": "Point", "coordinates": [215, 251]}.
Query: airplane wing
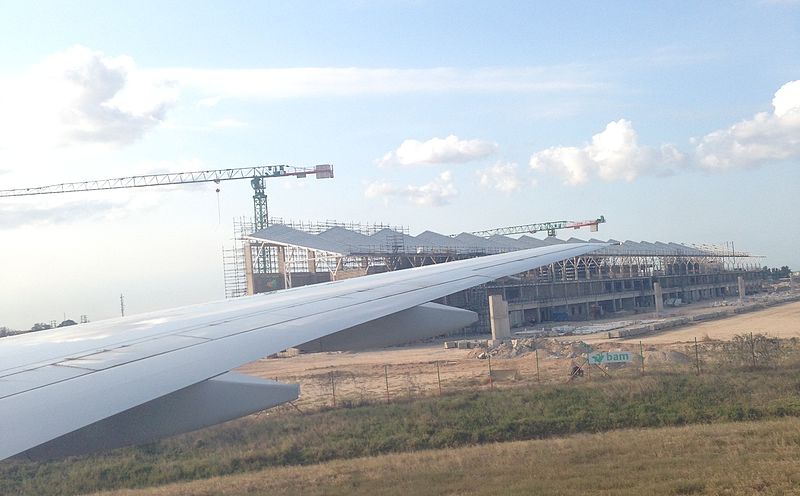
{"type": "Point", "coordinates": [137, 379]}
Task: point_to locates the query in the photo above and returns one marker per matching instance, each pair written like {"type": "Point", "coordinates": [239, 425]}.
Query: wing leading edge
{"type": "Point", "coordinates": [141, 378]}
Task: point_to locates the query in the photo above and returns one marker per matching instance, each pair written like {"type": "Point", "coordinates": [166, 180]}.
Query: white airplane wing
{"type": "Point", "coordinates": [137, 379]}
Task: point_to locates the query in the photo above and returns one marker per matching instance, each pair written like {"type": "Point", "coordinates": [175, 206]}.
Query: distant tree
{"type": "Point", "coordinates": [41, 326]}
{"type": "Point", "coordinates": [6, 331]}
{"type": "Point", "coordinates": [68, 322]}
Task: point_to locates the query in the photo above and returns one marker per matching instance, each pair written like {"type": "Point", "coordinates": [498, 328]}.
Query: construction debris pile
{"type": "Point", "coordinates": [548, 348]}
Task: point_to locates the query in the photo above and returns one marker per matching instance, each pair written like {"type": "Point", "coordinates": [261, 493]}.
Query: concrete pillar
{"type": "Point", "coordinates": [248, 269]}
{"type": "Point", "coordinates": [287, 280]}
{"type": "Point", "coordinates": [312, 261]}
{"type": "Point", "coordinates": [659, 296]}
{"type": "Point", "coordinates": [742, 290]}
{"type": "Point", "coordinates": [498, 315]}
{"type": "Point", "coordinates": [281, 260]}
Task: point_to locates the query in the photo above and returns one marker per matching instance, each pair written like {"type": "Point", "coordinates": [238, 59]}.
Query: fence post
{"type": "Point", "coordinates": [753, 349]}
{"type": "Point", "coordinates": [536, 352]}
{"type": "Point", "coordinates": [696, 355]}
{"type": "Point", "coordinates": [641, 355]}
{"type": "Point", "coordinates": [333, 389]}
{"type": "Point", "coordinates": [439, 377]}
{"type": "Point", "coordinates": [491, 383]}
{"type": "Point", "coordinates": [386, 380]}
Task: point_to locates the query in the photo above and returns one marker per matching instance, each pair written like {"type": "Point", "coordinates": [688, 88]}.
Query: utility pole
{"type": "Point", "coordinates": [121, 305]}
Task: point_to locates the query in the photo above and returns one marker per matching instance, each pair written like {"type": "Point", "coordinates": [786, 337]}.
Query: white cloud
{"type": "Point", "coordinates": [615, 153]}
{"type": "Point", "coordinates": [437, 192]}
{"type": "Point", "coordinates": [502, 176]}
{"type": "Point", "coordinates": [449, 150]}
{"type": "Point", "coordinates": [81, 96]}
{"type": "Point", "coordinates": [765, 138]}
{"type": "Point", "coordinates": [612, 154]}
{"type": "Point", "coordinates": [268, 84]}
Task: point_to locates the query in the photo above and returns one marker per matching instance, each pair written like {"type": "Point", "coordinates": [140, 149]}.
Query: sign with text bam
{"type": "Point", "coordinates": [600, 357]}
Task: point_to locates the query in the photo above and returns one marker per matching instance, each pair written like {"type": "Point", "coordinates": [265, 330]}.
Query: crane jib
{"type": "Point", "coordinates": [322, 171]}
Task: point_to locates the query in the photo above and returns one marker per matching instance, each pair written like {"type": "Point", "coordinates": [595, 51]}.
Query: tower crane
{"type": "Point", "coordinates": [550, 227]}
{"type": "Point", "coordinates": [255, 174]}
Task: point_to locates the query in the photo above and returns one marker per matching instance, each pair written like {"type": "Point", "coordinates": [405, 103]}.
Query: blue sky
{"type": "Point", "coordinates": [678, 121]}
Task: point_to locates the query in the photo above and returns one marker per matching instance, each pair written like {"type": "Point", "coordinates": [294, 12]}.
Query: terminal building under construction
{"type": "Point", "coordinates": [620, 278]}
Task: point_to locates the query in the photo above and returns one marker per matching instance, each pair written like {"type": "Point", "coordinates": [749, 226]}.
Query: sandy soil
{"type": "Point", "coordinates": [781, 321]}
{"type": "Point", "coordinates": [409, 371]}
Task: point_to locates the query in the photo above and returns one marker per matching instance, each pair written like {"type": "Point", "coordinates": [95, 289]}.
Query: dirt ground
{"type": "Point", "coordinates": [355, 377]}
{"type": "Point", "coordinates": [782, 321]}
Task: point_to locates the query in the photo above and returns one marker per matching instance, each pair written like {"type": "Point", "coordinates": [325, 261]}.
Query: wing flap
{"type": "Point", "coordinates": [420, 322]}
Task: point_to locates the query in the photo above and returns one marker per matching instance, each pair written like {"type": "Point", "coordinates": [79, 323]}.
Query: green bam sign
{"type": "Point", "coordinates": [600, 357]}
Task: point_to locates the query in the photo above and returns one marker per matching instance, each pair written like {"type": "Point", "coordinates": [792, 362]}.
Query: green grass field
{"type": "Point", "coordinates": [285, 439]}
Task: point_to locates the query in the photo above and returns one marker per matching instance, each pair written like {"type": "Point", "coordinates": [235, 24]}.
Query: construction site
{"type": "Point", "coordinates": [664, 312]}
{"type": "Point", "coordinates": [620, 279]}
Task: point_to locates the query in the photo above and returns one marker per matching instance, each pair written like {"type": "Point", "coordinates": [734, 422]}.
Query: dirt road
{"type": "Point", "coordinates": [782, 321]}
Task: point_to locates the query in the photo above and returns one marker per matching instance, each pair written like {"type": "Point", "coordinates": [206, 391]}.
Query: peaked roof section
{"type": "Point", "coordinates": [354, 240]}
{"type": "Point", "coordinates": [478, 243]}
{"type": "Point", "coordinates": [531, 242]}
{"type": "Point", "coordinates": [284, 235]}
{"type": "Point", "coordinates": [432, 242]}
{"type": "Point", "coordinates": [339, 240]}
{"type": "Point", "coordinates": [387, 240]}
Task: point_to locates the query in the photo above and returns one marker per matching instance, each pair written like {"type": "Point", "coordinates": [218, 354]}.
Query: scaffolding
{"type": "Point", "coordinates": [267, 260]}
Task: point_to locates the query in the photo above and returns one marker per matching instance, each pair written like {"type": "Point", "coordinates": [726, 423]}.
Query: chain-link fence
{"type": "Point", "coordinates": [532, 363]}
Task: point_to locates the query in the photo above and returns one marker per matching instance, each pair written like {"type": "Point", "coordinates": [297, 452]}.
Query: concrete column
{"type": "Point", "coordinates": [498, 315]}
{"type": "Point", "coordinates": [742, 290]}
{"type": "Point", "coordinates": [248, 269]}
{"type": "Point", "coordinates": [312, 261]}
{"type": "Point", "coordinates": [659, 296]}
{"type": "Point", "coordinates": [287, 279]}
{"type": "Point", "coordinates": [281, 260]}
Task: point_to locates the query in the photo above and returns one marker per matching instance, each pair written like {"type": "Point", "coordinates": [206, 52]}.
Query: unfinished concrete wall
{"type": "Point", "coordinates": [659, 296]}
{"type": "Point", "coordinates": [498, 315]}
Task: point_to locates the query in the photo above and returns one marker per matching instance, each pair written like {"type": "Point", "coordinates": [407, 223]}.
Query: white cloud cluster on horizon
{"type": "Point", "coordinates": [449, 150]}
{"type": "Point", "coordinates": [80, 96]}
{"type": "Point", "coordinates": [612, 154]}
{"type": "Point", "coordinates": [437, 192]}
{"type": "Point", "coordinates": [768, 136]}
{"type": "Point", "coordinates": [615, 153]}
{"type": "Point", "coordinates": [502, 176]}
